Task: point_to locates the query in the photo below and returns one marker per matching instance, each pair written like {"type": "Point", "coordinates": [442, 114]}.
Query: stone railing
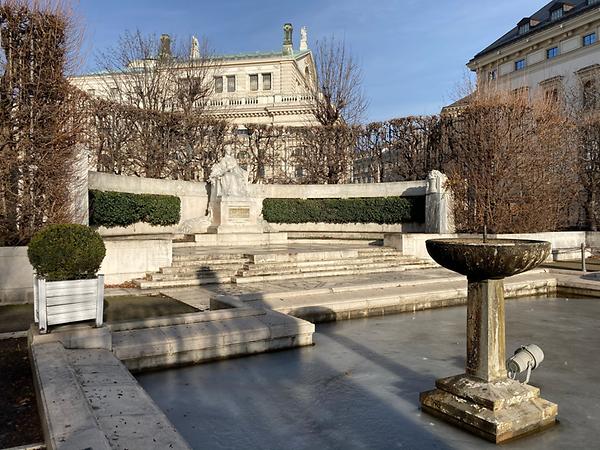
{"type": "Point", "coordinates": [263, 100]}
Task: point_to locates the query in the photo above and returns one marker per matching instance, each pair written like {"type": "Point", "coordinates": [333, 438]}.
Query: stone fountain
{"type": "Point", "coordinates": [484, 400]}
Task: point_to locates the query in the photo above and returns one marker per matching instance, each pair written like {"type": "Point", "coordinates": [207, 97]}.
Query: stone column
{"type": "Point", "coordinates": [486, 348]}
{"type": "Point", "coordinates": [438, 205]}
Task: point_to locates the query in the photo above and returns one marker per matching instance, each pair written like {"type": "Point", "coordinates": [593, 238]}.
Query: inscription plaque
{"type": "Point", "coordinates": [239, 213]}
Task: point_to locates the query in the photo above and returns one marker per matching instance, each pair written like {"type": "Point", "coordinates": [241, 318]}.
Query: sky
{"type": "Point", "coordinates": [412, 53]}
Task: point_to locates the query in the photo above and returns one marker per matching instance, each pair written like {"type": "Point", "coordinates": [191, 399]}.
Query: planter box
{"type": "Point", "coordinates": [59, 302]}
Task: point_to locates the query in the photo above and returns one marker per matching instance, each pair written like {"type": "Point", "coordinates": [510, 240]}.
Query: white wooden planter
{"type": "Point", "coordinates": [59, 302]}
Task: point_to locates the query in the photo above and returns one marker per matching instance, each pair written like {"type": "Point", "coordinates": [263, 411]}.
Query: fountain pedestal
{"type": "Point", "coordinates": [484, 400]}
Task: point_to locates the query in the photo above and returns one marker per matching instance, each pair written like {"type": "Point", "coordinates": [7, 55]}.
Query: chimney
{"type": "Point", "coordinates": [288, 45]}
{"type": "Point", "coordinates": [165, 47]}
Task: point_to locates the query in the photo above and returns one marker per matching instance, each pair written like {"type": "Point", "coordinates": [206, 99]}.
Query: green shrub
{"type": "Point", "coordinates": [381, 210]}
{"type": "Point", "coordinates": [66, 252]}
{"type": "Point", "coordinates": [114, 209]}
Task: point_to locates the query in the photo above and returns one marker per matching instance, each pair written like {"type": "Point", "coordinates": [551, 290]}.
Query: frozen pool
{"type": "Point", "coordinates": [358, 387]}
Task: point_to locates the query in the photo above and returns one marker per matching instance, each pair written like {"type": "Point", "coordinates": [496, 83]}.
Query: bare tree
{"type": "Point", "coordinates": [588, 140]}
{"type": "Point", "coordinates": [513, 167]}
{"type": "Point", "coordinates": [39, 118]}
{"type": "Point", "coordinates": [328, 153]}
{"type": "Point", "coordinates": [154, 97]}
{"type": "Point", "coordinates": [337, 93]}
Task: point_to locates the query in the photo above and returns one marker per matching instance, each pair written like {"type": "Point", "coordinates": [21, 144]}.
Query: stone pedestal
{"type": "Point", "coordinates": [483, 400]}
{"type": "Point", "coordinates": [235, 215]}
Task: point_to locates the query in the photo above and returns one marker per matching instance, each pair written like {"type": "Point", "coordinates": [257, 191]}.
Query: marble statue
{"type": "Point", "coordinates": [228, 179]}
{"type": "Point", "coordinates": [195, 48]}
{"type": "Point", "coordinates": [303, 39]}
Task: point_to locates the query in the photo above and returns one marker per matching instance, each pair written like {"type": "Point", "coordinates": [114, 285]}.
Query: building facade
{"type": "Point", "coordinates": [271, 88]}
{"type": "Point", "coordinates": [554, 52]}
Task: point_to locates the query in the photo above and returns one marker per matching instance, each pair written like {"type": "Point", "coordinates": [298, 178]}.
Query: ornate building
{"type": "Point", "coordinates": [257, 88]}
{"type": "Point", "coordinates": [555, 51]}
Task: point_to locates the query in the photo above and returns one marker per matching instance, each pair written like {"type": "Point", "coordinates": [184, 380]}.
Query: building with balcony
{"type": "Point", "coordinates": [269, 88]}
{"type": "Point", "coordinates": [555, 52]}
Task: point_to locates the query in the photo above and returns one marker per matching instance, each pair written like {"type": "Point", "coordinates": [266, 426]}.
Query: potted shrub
{"type": "Point", "coordinates": [66, 259]}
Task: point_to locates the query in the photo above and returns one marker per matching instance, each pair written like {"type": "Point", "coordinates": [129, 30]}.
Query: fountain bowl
{"type": "Point", "coordinates": [493, 259]}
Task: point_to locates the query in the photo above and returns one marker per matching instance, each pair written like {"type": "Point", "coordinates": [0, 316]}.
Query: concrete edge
{"type": "Point", "coordinates": [54, 438]}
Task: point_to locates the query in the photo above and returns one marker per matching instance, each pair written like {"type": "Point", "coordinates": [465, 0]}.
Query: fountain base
{"type": "Point", "coordinates": [497, 411]}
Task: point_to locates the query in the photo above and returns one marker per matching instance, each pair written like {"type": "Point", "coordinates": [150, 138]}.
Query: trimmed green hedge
{"type": "Point", "coordinates": [120, 209]}
{"type": "Point", "coordinates": [381, 210]}
{"type": "Point", "coordinates": [66, 252]}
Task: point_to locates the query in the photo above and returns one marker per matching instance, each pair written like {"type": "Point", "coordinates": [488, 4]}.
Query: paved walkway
{"type": "Point", "coordinates": [199, 296]}
{"type": "Point", "coordinates": [88, 399]}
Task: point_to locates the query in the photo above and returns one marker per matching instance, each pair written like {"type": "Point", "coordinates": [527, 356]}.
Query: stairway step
{"type": "Point", "coordinates": [193, 275]}
{"type": "Point", "coordinates": [291, 276]}
{"type": "Point", "coordinates": [260, 270]}
{"type": "Point", "coordinates": [148, 284]}
{"type": "Point", "coordinates": [192, 264]}
{"type": "Point", "coordinates": [191, 260]}
{"type": "Point", "coordinates": [333, 262]}
{"type": "Point", "coordinates": [201, 256]}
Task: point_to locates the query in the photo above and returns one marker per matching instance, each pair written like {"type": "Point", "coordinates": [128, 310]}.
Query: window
{"type": "Point", "coordinates": [299, 172]}
{"type": "Point", "coordinates": [552, 53]}
{"type": "Point", "coordinates": [230, 83]}
{"type": "Point", "coordinates": [524, 28]}
{"type": "Point", "coordinates": [492, 75]}
{"type": "Point", "coordinates": [266, 78]}
{"type": "Point", "coordinates": [219, 84]}
{"type": "Point", "coordinates": [589, 39]}
{"type": "Point", "coordinates": [254, 82]}
{"type": "Point", "coordinates": [520, 64]}
{"type": "Point", "coordinates": [556, 14]}
{"type": "Point", "coordinates": [593, 2]}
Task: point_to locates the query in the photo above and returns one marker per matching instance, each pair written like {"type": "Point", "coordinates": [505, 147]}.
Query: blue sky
{"type": "Point", "coordinates": [412, 52]}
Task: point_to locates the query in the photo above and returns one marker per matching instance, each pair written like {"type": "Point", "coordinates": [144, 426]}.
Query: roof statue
{"type": "Point", "coordinates": [195, 48]}
{"type": "Point", "coordinates": [303, 39]}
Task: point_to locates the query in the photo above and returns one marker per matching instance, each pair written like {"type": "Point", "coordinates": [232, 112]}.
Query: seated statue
{"type": "Point", "coordinates": [227, 178]}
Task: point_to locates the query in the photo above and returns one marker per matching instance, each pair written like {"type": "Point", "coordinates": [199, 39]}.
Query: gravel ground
{"type": "Point", "coordinates": [19, 419]}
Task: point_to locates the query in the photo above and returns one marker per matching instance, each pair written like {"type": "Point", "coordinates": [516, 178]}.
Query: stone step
{"type": "Point", "coordinates": [431, 291]}
{"type": "Point", "coordinates": [200, 274]}
{"type": "Point", "coordinates": [333, 262]}
{"type": "Point", "coordinates": [379, 251]}
{"type": "Point", "coordinates": [186, 282]}
{"type": "Point", "coordinates": [186, 256]}
{"type": "Point", "coordinates": [363, 267]}
{"type": "Point", "coordinates": [317, 255]}
{"type": "Point", "coordinates": [328, 273]}
{"type": "Point", "coordinates": [193, 268]}
{"type": "Point", "coordinates": [331, 241]}
{"type": "Point", "coordinates": [214, 263]}
{"type": "Point", "coordinates": [208, 336]}
{"type": "Point", "coordinates": [343, 236]}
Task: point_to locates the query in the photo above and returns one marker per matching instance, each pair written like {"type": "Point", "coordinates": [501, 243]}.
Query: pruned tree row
{"type": "Point", "coordinates": [41, 119]}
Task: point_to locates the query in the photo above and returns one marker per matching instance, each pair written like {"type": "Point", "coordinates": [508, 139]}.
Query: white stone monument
{"type": "Point", "coordinates": [439, 217]}
{"type": "Point", "coordinates": [231, 208]}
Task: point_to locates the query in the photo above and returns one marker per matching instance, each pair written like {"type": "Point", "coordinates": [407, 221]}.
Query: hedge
{"type": "Point", "coordinates": [120, 209]}
{"type": "Point", "coordinates": [66, 252]}
{"type": "Point", "coordinates": [381, 210]}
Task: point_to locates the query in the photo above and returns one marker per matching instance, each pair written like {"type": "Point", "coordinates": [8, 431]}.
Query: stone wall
{"type": "Point", "coordinates": [127, 259]}
{"type": "Point", "coordinates": [593, 240]}
{"type": "Point", "coordinates": [194, 202]}
{"type": "Point", "coordinates": [414, 244]}
{"type": "Point", "coordinates": [16, 276]}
